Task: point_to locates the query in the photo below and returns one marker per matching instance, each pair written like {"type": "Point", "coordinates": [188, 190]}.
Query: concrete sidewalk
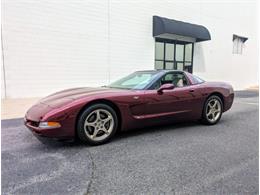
{"type": "Point", "coordinates": [16, 108]}
{"type": "Point", "coordinates": [253, 88]}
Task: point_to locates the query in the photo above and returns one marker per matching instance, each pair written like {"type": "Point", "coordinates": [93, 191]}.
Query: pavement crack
{"type": "Point", "coordinates": [93, 167]}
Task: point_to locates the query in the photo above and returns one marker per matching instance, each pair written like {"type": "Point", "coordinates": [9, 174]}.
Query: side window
{"type": "Point", "coordinates": [177, 79]}
{"type": "Point", "coordinates": [196, 80]}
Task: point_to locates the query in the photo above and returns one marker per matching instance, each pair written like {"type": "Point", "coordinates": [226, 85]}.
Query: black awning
{"type": "Point", "coordinates": [164, 26]}
{"type": "Point", "coordinates": [243, 39]}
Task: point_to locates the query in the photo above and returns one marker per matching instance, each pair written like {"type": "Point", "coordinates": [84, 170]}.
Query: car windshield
{"type": "Point", "coordinates": [136, 80]}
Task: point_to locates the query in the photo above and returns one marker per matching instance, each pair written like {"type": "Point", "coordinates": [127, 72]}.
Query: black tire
{"type": "Point", "coordinates": [205, 120]}
{"type": "Point", "coordinates": [82, 135]}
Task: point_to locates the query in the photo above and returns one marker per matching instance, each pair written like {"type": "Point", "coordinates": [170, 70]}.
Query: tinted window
{"type": "Point", "coordinates": [179, 52]}
{"type": "Point", "coordinates": [159, 51]}
{"type": "Point", "coordinates": [188, 52]}
{"type": "Point", "coordinates": [169, 49]}
{"type": "Point", "coordinates": [158, 65]}
{"type": "Point", "coordinates": [173, 55]}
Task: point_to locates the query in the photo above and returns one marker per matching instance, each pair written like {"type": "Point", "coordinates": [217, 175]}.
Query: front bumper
{"type": "Point", "coordinates": [55, 133]}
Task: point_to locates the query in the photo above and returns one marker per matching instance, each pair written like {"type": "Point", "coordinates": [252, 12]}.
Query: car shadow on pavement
{"type": "Point", "coordinates": [155, 129]}
{"type": "Point", "coordinates": [119, 136]}
{"type": "Point", "coordinates": [122, 135]}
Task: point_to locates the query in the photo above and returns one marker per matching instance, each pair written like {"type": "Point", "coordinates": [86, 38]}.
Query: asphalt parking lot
{"type": "Point", "coordinates": [187, 158]}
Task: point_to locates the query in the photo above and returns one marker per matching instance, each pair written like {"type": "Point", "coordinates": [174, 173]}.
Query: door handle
{"type": "Point", "coordinates": [191, 90]}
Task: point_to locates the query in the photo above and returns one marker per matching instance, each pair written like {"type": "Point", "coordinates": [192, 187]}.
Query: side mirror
{"type": "Point", "coordinates": [167, 86]}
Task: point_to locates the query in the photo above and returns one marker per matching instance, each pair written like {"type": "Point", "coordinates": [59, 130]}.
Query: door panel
{"type": "Point", "coordinates": [181, 101]}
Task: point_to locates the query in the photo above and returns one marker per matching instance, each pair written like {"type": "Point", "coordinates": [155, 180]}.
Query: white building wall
{"type": "Point", "coordinates": [2, 80]}
{"type": "Point", "coordinates": [217, 61]}
{"type": "Point", "coordinates": [51, 45]}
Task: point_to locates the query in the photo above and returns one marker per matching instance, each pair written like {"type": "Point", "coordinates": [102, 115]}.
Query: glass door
{"type": "Point", "coordinates": [188, 57]}
{"type": "Point", "coordinates": [179, 57]}
{"type": "Point", "coordinates": [173, 55]}
{"type": "Point", "coordinates": [169, 56]}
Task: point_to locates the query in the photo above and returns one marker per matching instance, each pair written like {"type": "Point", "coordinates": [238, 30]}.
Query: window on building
{"type": "Point", "coordinates": [173, 55]}
{"type": "Point", "coordinates": [238, 44]}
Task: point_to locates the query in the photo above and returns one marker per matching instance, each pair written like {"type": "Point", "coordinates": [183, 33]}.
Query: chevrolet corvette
{"type": "Point", "coordinates": [141, 99]}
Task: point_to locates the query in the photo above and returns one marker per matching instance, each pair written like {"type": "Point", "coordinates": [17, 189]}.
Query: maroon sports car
{"type": "Point", "coordinates": [144, 98]}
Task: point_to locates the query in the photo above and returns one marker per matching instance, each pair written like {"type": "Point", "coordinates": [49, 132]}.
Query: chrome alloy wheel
{"type": "Point", "coordinates": [99, 124]}
{"type": "Point", "coordinates": [213, 110]}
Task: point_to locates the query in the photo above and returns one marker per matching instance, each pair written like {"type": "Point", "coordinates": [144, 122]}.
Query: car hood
{"type": "Point", "coordinates": [59, 99]}
{"type": "Point", "coordinates": [66, 96]}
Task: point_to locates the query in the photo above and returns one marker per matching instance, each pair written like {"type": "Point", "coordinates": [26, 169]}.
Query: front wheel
{"type": "Point", "coordinates": [97, 124]}
{"type": "Point", "coordinates": [212, 110]}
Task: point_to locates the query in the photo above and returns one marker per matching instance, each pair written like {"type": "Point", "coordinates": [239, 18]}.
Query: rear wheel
{"type": "Point", "coordinates": [212, 110]}
{"type": "Point", "coordinates": [97, 124]}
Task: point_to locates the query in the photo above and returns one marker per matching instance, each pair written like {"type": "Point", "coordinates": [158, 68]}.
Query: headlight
{"type": "Point", "coordinates": [49, 125]}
